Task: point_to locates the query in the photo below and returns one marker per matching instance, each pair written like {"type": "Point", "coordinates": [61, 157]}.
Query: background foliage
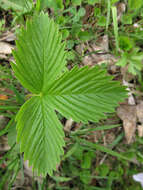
{"type": "Point", "coordinates": [87, 164]}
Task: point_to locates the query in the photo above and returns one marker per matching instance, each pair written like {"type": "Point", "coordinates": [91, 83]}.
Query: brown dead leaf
{"type": "Point", "coordinates": [126, 75]}
{"type": "Point", "coordinates": [19, 180]}
{"type": "Point", "coordinates": [98, 52]}
{"type": "Point", "coordinates": [131, 99]}
{"type": "Point", "coordinates": [7, 90]}
{"type": "Point", "coordinates": [3, 121]}
{"type": "Point", "coordinates": [95, 136]}
{"type": "Point", "coordinates": [139, 109]}
{"type": "Point", "coordinates": [8, 36]}
{"type": "Point", "coordinates": [140, 130]}
{"type": "Point", "coordinates": [89, 12]}
{"type": "Point", "coordinates": [68, 125]}
{"type": "Point", "coordinates": [77, 126]}
{"type": "Point", "coordinates": [140, 112]}
{"type": "Point", "coordinates": [28, 170]}
{"type": "Point", "coordinates": [5, 48]}
{"type": "Point", "coordinates": [121, 8]}
{"type": "Point", "coordinates": [2, 56]}
{"type": "Point", "coordinates": [110, 137]}
{"type": "Point", "coordinates": [4, 144]}
{"type": "Point", "coordinates": [3, 97]}
{"type": "Point", "coordinates": [127, 114]}
{"type": "Point", "coordinates": [80, 48]}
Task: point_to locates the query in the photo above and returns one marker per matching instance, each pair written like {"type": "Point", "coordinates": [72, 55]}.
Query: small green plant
{"type": "Point", "coordinates": [16, 5]}
{"type": "Point", "coordinates": [134, 10]}
{"type": "Point", "coordinates": [133, 59]}
{"type": "Point", "coordinates": [126, 43]}
{"type": "Point", "coordinates": [84, 94]}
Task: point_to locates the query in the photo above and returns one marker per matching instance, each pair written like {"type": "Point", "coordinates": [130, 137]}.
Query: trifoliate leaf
{"type": "Point", "coordinates": [84, 94]}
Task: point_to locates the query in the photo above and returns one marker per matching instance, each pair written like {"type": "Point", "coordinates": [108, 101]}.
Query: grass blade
{"type": "Point", "coordinates": [115, 24]}
{"type": "Point", "coordinates": [100, 128]}
{"type": "Point", "coordinates": [104, 149]}
{"type": "Point", "coordinates": [108, 15]}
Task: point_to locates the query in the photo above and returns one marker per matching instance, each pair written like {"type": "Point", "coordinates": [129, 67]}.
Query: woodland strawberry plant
{"type": "Point", "coordinates": [83, 94]}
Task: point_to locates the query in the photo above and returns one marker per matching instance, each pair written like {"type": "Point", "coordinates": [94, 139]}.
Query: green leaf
{"type": "Point", "coordinates": [65, 34]}
{"type": "Point", "coordinates": [114, 1]}
{"type": "Point", "coordinates": [127, 19]}
{"type": "Point", "coordinates": [85, 176]}
{"type": "Point", "coordinates": [56, 4]}
{"type": "Point", "coordinates": [92, 2]}
{"type": "Point", "coordinates": [135, 4]}
{"type": "Point", "coordinates": [41, 135]}
{"type": "Point", "coordinates": [76, 2]}
{"type": "Point", "coordinates": [85, 35]}
{"type": "Point", "coordinates": [103, 170]}
{"type": "Point", "coordinates": [102, 21]}
{"type": "Point", "coordinates": [85, 94]}
{"type": "Point", "coordinates": [71, 151]}
{"type": "Point", "coordinates": [87, 160]}
{"type": "Point", "coordinates": [125, 43]}
{"type": "Point", "coordinates": [23, 6]}
{"type": "Point", "coordinates": [97, 12]}
{"type": "Point", "coordinates": [81, 12]}
{"type": "Point", "coordinates": [39, 51]}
